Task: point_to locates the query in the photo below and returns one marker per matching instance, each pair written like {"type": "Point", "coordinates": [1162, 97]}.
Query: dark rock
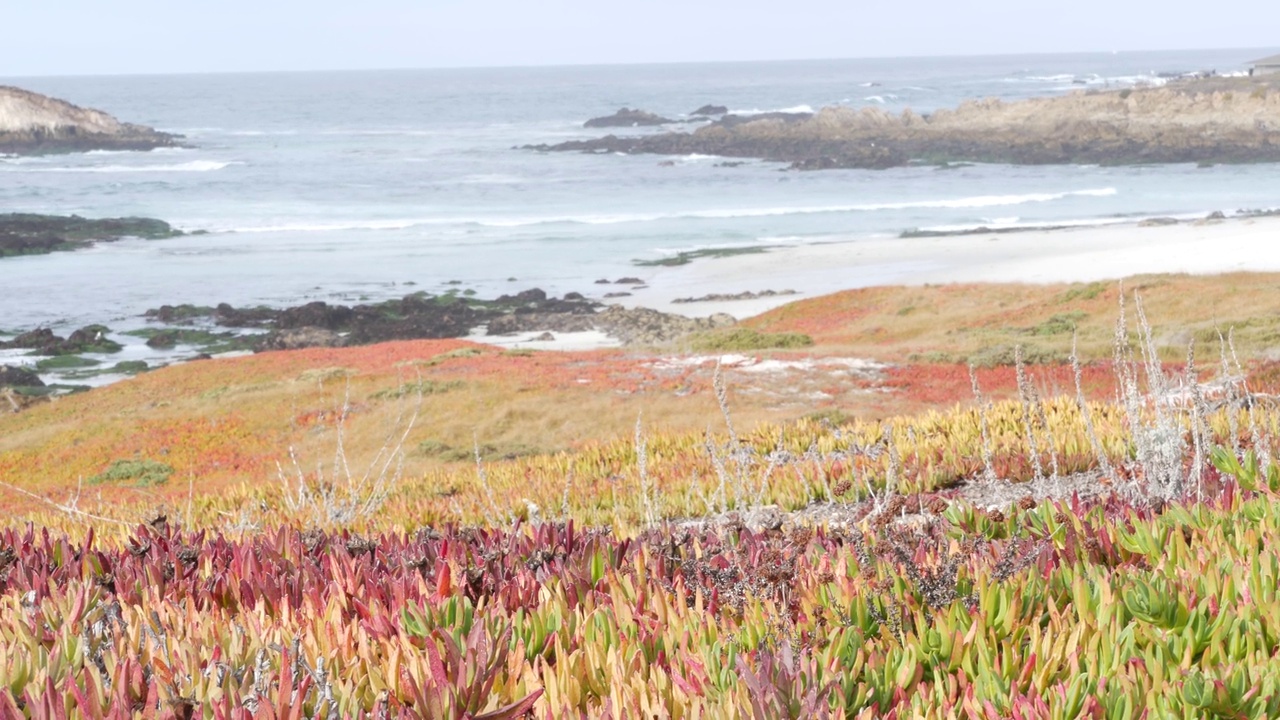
{"type": "Point", "coordinates": [27, 234]}
{"type": "Point", "coordinates": [626, 117]}
{"type": "Point", "coordinates": [178, 314]}
{"type": "Point", "coordinates": [711, 110]}
{"type": "Point", "coordinates": [42, 341]}
{"type": "Point", "coordinates": [13, 376]}
{"type": "Point", "coordinates": [163, 340]}
{"type": "Point", "coordinates": [574, 296]}
{"type": "Point", "coordinates": [227, 316]}
{"type": "Point", "coordinates": [602, 281]}
{"type": "Point", "coordinates": [315, 315]}
{"type": "Point", "coordinates": [544, 337]}
{"type": "Point", "coordinates": [298, 338]}
{"type": "Point", "coordinates": [628, 281]}
{"type": "Point", "coordinates": [38, 339]}
{"type": "Point", "coordinates": [617, 294]}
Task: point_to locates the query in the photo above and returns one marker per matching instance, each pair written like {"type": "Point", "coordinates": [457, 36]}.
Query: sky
{"type": "Point", "coordinates": [87, 37]}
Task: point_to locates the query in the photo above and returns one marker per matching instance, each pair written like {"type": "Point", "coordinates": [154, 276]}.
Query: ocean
{"type": "Point", "coordinates": [352, 186]}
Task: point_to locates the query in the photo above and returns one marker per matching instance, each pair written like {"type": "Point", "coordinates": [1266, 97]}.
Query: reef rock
{"type": "Point", "coordinates": [35, 124]}
{"type": "Point", "coordinates": [27, 234]}
{"type": "Point", "coordinates": [1204, 121]}
{"type": "Point", "coordinates": [626, 117]}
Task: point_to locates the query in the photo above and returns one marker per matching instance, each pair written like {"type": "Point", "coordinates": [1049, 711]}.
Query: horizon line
{"type": "Point", "coordinates": [551, 66]}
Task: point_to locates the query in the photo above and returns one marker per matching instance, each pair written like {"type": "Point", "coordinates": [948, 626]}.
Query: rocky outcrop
{"type": "Point", "coordinates": [1193, 121]}
{"type": "Point", "coordinates": [26, 234]}
{"type": "Point", "coordinates": [35, 124]}
{"type": "Point", "coordinates": [42, 341]}
{"type": "Point", "coordinates": [626, 117]}
{"type": "Point", "coordinates": [707, 110]}
{"type": "Point", "coordinates": [423, 316]}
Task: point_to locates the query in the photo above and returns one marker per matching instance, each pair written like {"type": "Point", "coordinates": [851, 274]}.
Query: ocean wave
{"type": "Point", "coordinates": [794, 109]}
{"type": "Point", "coordinates": [261, 133]}
{"type": "Point", "coordinates": [193, 166]}
{"type": "Point", "coordinates": [980, 201]}
{"type": "Point", "coordinates": [152, 151]}
{"type": "Point", "coordinates": [332, 226]}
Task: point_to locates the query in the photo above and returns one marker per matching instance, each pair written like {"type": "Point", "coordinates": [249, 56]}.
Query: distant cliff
{"type": "Point", "coordinates": [1211, 121]}
{"type": "Point", "coordinates": [35, 124]}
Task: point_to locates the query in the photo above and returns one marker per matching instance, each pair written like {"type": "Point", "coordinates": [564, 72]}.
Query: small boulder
{"type": "Point", "coordinates": [711, 110]}
{"type": "Point", "coordinates": [14, 376]}
{"type": "Point", "coordinates": [163, 340]}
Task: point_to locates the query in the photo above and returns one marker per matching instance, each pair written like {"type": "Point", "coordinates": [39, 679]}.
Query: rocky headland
{"type": "Point", "coordinates": [35, 124]}
{"type": "Point", "coordinates": [28, 234]}
{"type": "Point", "coordinates": [1216, 120]}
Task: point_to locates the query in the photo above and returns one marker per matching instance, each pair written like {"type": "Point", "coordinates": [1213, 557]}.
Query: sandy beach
{"type": "Point", "coordinates": [1066, 255]}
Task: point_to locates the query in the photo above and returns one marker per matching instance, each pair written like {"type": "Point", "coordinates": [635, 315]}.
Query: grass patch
{"type": "Point", "coordinates": [142, 472]}
{"type": "Point", "coordinates": [1084, 292]}
{"type": "Point", "coordinates": [741, 338]}
{"type": "Point", "coordinates": [489, 452]}
{"type": "Point", "coordinates": [422, 387]}
{"type": "Point", "coordinates": [451, 355]}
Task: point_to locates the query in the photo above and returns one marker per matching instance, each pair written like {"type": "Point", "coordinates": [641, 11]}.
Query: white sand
{"type": "Point", "coordinates": [1069, 255]}
{"type": "Point", "coordinates": [589, 340]}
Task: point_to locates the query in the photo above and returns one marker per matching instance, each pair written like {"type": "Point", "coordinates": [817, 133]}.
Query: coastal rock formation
{"type": "Point", "coordinates": [35, 124]}
{"type": "Point", "coordinates": [422, 316]}
{"type": "Point", "coordinates": [26, 234]}
{"type": "Point", "coordinates": [1193, 121]}
{"type": "Point", "coordinates": [42, 341]}
{"type": "Point", "coordinates": [626, 117]}
{"type": "Point", "coordinates": [711, 110]}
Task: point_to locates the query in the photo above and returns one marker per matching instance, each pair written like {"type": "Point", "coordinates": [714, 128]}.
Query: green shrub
{"type": "Point", "coordinates": [1059, 324]}
{"type": "Point", "coordinates": [740, 338]}
{"type": "Point", "coordinates": [144, 473]}
{"type": "Point", "coordinates": [998, 355]}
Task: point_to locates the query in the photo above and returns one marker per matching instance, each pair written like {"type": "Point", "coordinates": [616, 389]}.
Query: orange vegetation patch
{"type": "Point", "coordinates": [946, 385]}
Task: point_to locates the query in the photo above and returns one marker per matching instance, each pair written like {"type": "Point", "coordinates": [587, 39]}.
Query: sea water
{"type": "Point", "coordinates": [350, 186]}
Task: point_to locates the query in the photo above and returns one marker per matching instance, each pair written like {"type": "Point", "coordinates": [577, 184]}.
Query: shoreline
{"type": "Point", "coordinates": [1081, 254]}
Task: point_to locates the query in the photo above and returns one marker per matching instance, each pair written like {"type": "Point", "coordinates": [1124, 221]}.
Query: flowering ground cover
{"type": "Point", "coordinates": [445, 529]}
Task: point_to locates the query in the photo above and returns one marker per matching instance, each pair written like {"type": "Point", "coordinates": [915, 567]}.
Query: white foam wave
{"type": "Point", "coordinates": [980, 201]}
{"type": "Point", "coordinates": [193, 166]}
{"type": "Point", "coordinates": [262, 133]}
{"type": "Point", "coordinates": [757, 111]}
{"type": "Point", "coordinates": [875, 98]}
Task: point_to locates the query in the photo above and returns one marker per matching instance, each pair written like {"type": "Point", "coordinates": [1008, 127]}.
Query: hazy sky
{"type": "Point", "coordinates": [55, 37]}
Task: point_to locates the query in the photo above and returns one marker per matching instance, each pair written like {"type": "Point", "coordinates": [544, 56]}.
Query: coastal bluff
{"type": "Point", "coordinates": [1218, 120]}
{"type": "Point", "coordinates": [35, 124]}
